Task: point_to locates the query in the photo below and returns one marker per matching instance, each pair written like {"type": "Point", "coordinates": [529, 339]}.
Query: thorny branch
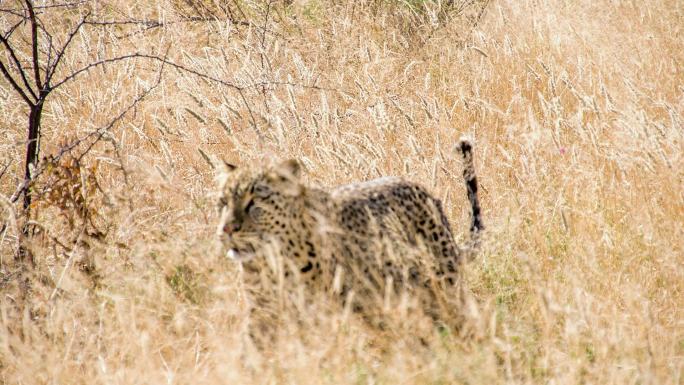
{"type": "Point", "coordinates": [35, 91]}
{"type": "Point", "coordinates": [147, 24]}
{"type": "Point", "coordinates": [98, 134]}
{"type": "Point", "coordinates": [191, 71]}
{"type": "Point", "coordinates": [8, 34]}
{"type": "Point", "coordinates": [19, 12]}
{"type": "Point", "coordinates": [17, 63]}
{"type": "Point", "coordinates": [52, 68]}
{"type": "Point", "coordinates": [101, 132]}
{"type": "Point", "coordinates": [4, 169]}
{"type": "Point", "coordinates": [137, 55]}
{"type": "Point", "coordinates": [62, 5]}
{"type": "Point", "coordinates": [34, 44]}
{"type": "Point", "coordinates": [14, 84]}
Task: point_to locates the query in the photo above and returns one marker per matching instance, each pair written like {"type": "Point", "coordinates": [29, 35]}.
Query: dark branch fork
{"type": "Point", "coordinates": [14, 84]}
{"type": "Point", "coordinates": [52, 67]}
{"type": "Point", "coordinates": [17, 63]}
{"type": "Point", "coordinates": [34, 83]}
{"type": "Point", "coordinates": [8, 34]}
{"type": "Point", "coordinates": [97, 134]}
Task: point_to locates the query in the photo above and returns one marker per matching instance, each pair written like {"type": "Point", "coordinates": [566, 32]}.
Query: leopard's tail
{"type": "Point", "coordinates": [470, 178]}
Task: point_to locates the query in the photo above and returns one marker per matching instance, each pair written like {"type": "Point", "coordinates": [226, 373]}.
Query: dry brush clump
{"type": "Point", "coordinates": [576, 109]}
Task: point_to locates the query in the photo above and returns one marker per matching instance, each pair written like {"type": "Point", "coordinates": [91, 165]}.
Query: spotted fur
{"type": "Point", "coordinates": [385, 230]}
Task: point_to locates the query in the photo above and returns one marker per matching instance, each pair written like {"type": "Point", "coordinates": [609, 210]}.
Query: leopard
{"type": "Point", "coordinates": [353, 242]}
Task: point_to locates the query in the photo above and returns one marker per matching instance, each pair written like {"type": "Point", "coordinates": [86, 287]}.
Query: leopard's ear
{"type": "Point", "coordinates": [224, 167]}
{"type": "Point", "coordinates": [289, 169]}
{"type": "Point", "coordinates": [216, 163]}
{"type": "Point", "coordinates": [228, 166]}
{"type": "Point", "coordinates": [285, 178]}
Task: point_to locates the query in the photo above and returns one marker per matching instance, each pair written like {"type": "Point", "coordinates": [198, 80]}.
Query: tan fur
{"type": "Point", "coordinates": [384, 234]}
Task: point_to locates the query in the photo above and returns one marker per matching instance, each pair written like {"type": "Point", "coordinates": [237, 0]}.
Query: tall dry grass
{"type": "Point", "coordinates": [576, 109]}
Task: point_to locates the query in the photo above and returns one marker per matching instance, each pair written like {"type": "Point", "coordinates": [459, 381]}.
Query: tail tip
{"type": "Point", "coordinates": [465, 144]}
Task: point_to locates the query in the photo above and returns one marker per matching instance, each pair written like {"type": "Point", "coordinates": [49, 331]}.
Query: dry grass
{"type": "Point", "coordinates": [576, 108]}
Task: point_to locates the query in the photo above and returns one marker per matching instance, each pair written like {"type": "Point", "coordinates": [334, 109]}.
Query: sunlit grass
{"type": "Point", "coordinates": [576, 110]}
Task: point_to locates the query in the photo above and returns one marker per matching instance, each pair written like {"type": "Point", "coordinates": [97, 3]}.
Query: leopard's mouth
{"type": "Point", "coordinates": [237, 248]}
{"type": "Point", "coordinates": [239, 255]}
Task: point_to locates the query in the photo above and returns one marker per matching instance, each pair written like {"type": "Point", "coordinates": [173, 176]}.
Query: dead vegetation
{"type": "Point", "coordinates": [576, 109]}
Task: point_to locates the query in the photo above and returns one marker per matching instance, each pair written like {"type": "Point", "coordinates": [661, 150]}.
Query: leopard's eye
{"type": "Point", "coordinates": [249, 206]}
{"type": "Point", "coordinates": [261, 191]}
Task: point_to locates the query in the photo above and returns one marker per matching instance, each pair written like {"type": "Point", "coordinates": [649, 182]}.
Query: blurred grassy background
{"type": "Point", "coordinates": [576, 110]}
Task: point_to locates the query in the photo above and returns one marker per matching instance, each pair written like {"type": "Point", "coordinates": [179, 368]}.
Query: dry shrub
{"type": "Point", "coordinates": [576, 111]}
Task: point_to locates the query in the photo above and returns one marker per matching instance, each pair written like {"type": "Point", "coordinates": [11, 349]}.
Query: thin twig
{"type": "Point", "coordinates": [263, 38]}
{"type": "Point", "coordinates": [17, 63]}
{"type": "Point", "coordinates": [251, 114]}
{"type": "Point", "coordinates": [58, 5]}
{"type": "Point", "coordinates": [4, 169]}
{"type": "Point", "coordinates": [62, 5]}
{"type": "Point", "coordinates": [49, 57]}
{"type": "Point", "coordinates": [34, 44]}
{"type": "Point", "coordinates": [145, 56]}
{"type": "Point", "coordinates": [147, 23]}
{"type": "Point", "coordinates": [14, 84]}
{"type": "Point", "coordinates": [132, 105]}
{"type": "Point", "coordinates": [67, 149]}
{"type": "Point", "coordinates": [152, 24]}
{"type": "Point", "coordinates": [13, 28]}
{"type": "Point", "coordinates": [52, 69]}
{"type": "Point", "coordinates": [47, 233]}
{"type": "Point", "coordinates": [181, 67]}
{"type": "Point", "coordinates": [13, 12]}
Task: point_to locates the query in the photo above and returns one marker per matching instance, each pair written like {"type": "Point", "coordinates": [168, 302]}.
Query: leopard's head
{"type": "Point", "coordinates": [256, 206]}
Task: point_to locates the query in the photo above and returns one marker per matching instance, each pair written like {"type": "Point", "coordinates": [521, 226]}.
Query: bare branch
{"type": "Point", "coordinates": [152, 24]}
{"type": "Point", "coordinates": [19, 12]}
{"type": "Point", "coordinates": [291, 84]}
{"type": "Point", "coordinates": [4, 169]}
{"type": "Point", "coordinates": [14, 84]}
{"type": "Point", "coordinates": [97, 134]}
{"type": "Point", "coordinates": [62, 5]}
{"type": "Point", "coordinates": [13, 12]}
{"type": "Point", "coordinates": [242, 13]}
{"type": "Point", "coordinates": [52, 68]}
{"type": "Point", "coordinates": [13, 28]}
{"type": "Point", "coordinates": [49, 57]}
{"type": "Point", "coordinates": [146, 23]}
{"type": "Point", "coordinates": [190, 71]}
{"type": "Point", "coordinates": [17, 63]}
{"type": "Point", "coordinates": [145, 56]}
{"type": "Point", "coordinates": [100, 133]}
{"type": "Point", "coordinates": [251, 114]}
{"type": "Point", "coordinates": [47, 233]}
{"type": "Point", "coordinates": [34, 44]}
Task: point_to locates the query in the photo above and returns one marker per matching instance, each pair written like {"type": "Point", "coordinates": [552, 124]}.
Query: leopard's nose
{"type": "Point", "coordinates": [230, 228]}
